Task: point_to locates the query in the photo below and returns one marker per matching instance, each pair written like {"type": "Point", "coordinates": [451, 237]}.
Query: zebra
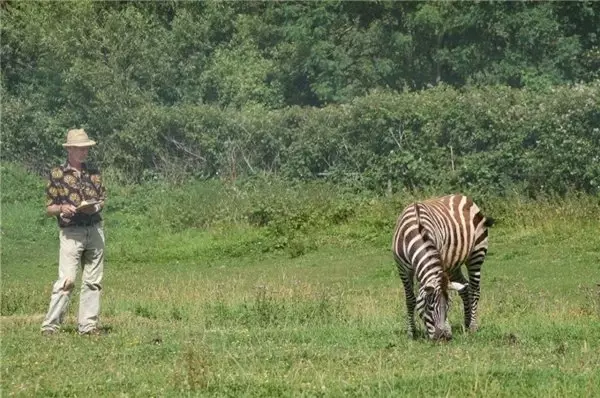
{"type": "Point", "coordinates": [432, 239]}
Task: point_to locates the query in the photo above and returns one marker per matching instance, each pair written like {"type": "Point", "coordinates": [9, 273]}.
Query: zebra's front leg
{"type": "Point", "coordinates": [465, 295]}
{"type": "Point", "coordinates": [474, 291]}
{"type": "Point", "coordinates": [411, 301]}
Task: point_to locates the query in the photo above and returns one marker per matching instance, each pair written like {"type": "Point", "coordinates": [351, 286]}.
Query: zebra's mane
{"type": "Point", "coordinates": [444, 281]}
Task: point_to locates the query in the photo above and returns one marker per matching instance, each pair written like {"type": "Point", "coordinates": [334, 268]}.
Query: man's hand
{"type": "Point", "coordinates": [68, 210]}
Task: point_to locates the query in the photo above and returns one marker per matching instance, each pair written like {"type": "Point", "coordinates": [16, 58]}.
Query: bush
{"type": "Point", "coordinates": [489, 140]}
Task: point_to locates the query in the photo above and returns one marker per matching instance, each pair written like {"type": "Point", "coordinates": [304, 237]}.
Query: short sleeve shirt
{"type": "Point", "coordinates": [67, 185]}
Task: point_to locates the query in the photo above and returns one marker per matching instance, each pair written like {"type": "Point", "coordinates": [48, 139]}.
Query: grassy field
{"type": "Point", "coordinates": [182, 320]}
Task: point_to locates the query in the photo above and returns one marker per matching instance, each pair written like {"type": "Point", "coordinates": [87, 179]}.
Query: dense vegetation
{"type": "Point", "coordinates": [484, 97]}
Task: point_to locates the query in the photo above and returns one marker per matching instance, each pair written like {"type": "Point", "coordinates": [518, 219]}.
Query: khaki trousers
{"type": "Point", "coordinates": [79, 247]}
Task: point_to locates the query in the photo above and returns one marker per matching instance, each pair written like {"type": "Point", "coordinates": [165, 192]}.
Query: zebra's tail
{"type": "Point", "coordinates": [489, 221]}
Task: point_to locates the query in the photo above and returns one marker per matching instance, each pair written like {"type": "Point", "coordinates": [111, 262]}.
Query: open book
{"type": "Point", "coordinates": [87, 203]}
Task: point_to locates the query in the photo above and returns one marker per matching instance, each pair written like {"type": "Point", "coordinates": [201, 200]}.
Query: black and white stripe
{"type": "Point", "coordinates": [432, 240]}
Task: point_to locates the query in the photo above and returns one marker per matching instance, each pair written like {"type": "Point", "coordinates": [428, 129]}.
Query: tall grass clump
{"type": "Point", "coordinates": [276, 309]}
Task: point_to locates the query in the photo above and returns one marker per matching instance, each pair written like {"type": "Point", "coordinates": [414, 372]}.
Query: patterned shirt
{"type": "Point", "coordinates": [67, 185]}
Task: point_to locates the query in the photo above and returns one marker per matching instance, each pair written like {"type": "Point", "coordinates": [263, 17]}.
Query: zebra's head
{"type": "Point", "coordinates": [433, 303]}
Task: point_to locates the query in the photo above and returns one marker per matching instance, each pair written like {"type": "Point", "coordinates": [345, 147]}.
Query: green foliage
{"type": "Point", "coordinates": [290, 53]}
{"type": "Point", "coordinates": [480, 140]}
{"type": "Point", "coordinates": [175, 90]}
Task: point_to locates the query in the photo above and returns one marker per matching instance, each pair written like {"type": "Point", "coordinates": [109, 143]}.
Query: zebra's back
{"type": "Point", "coordinates": [451, 225]}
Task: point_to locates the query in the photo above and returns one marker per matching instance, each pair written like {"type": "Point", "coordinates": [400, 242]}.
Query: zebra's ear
{"type": "Point", "coordinates": [456, 286]}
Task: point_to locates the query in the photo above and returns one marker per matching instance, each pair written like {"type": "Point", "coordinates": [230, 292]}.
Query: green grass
{"type": "Point", "coordinates": [187, 314]}
{"type": "Point", "coordinates": [327, 323]}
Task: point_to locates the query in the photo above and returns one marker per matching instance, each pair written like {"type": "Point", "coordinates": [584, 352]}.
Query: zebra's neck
{"type": "Point", "coordinates": [431, 274]}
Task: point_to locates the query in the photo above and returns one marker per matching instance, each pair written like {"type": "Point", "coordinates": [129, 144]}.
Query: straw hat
{"type": "Point", "coordinates": [78, 137]}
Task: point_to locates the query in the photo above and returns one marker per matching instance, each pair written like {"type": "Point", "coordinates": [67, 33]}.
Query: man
{"type": "Point", "coordinates": [75, 196]}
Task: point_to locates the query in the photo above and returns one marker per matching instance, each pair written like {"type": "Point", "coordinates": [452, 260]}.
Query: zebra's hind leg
{"type": "Point", "coordinates": [465, 295]}
{"type": "Point", "coordinates": [411, 301]}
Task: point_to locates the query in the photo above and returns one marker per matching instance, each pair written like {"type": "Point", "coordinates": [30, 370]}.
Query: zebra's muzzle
{"type": "Point", "coordinates": [442, 335]}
